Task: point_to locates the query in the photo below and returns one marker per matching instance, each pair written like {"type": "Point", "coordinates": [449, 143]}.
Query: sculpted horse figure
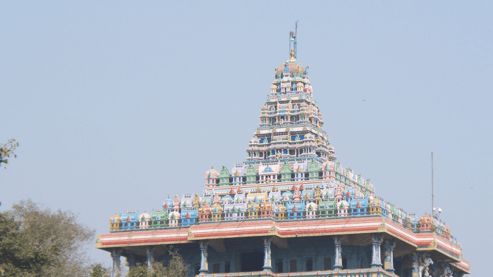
{"type": "Point", "coordinates": [424, 262]}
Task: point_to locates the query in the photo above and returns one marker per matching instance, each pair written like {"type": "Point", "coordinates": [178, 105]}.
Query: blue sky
{"type": "Point", "coordinates": [118, 104]}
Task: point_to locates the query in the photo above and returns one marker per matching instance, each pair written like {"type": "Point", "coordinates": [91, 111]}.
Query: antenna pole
{"type": "Point", "coordinates": [290, 39]}
{"type": "Point", "coordinates": [432, 196]}
{"type": "Point", "coordinates": [295, 40]}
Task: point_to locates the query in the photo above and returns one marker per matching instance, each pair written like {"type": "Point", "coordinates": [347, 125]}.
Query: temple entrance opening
{"type": "Point", "coordinates": [251, 261]}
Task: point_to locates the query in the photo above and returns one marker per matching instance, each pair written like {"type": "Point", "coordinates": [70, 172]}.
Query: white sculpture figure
{"type": "Point", "coordinates": [447, 272]}
{"type": "Point", "coordinates": [358, 194]}
{"type": "Point", "coordinates": [332, 192]}
{"type": "Point", "coordinates": [424, 262]}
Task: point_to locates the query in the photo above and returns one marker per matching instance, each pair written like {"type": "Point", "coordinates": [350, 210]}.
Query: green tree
{"type": "Point", "coordinates": [7, 151]}
{"type": "Point", "coordinates": [176, 268]}
{"type": "Point", "coordinates": [99, 271]}
{"type": "Point", "coordinates": [35, 241]}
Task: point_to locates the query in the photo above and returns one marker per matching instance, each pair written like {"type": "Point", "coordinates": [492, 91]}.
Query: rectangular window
{"type": "Point", "coordinates": [215, 268]}
{"type": "Point", "coordinates": [293, 265]}
{"type": "Point", "coordinates": [227, 267]}
{"type": "Point", "coordinates": [327, 263]}
{"type": "Point", "coordinates": [279, 266]}
{"type": "Point", "coordinates": [309, 264]}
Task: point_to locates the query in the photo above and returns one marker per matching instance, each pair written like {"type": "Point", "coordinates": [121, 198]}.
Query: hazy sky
{"type": "Point", "coordinates": [117, 104]}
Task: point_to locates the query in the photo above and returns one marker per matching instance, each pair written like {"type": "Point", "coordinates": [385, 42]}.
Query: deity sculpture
{"type": "Point", "coordinates": [297, 195]}
{"type": "Point", "coordinates": [176, 203]}
{"type": "Point", "coordinates": [317, 194]}
{"type": "Point", "coordinates": [339, 194]}
{"type": "Point", "coordinates": [424, 262]}
{"type": "Point", "coordinates": [446, 271]}
{"type": "Point", "coordinates": [217, 199]}
{"type": "Point", "coordinates": [196, 201]}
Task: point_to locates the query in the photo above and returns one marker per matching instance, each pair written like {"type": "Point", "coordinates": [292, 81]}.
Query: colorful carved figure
{"type": "Point", "coordinates": [176, 204]}
{"type": "Point", "coordinates": [424, 263]}
{"type": "Point", "coordinates": [168, 205]}
{"type": "Point", "coordinates": [327, 209]}
{"type": "Point", "coordinates": [317, 194]}
{"type": "Point", "coordinates": [359, 206]}
{"type": "Point", "coordinates": [296, 195]}
{"type": "Point", "coordinates": [343, 208]}
{"type": "Point", "coordinates": [426, 223]}
{"type": "Point", "coordinates": [217, 212]}
{"type": "Point", "coordinates": [445, 270]}
{"type": "Point", "coordinates": [217, 199]}
{"type": "Point", "coordinates": [144, 220]}
{"type": "Point", "coordinates": [188, 217]}
{"type": "Point", "coordinates": [266, 209]}
{"type": "Point", "coordinates": [115, 222]}
{"type": "Point", "coordinates": [159, 218]}
{"type": "Point", "coordinates": [280, 212]}
{"type": "Point", "coordinates": [253, 208]}
{"type": "Point", "coordinates": [311, 210]}
{"type": "Point", "coordinates": [196, 201]}
{"type": "Point", "coordinates": [295, 210]}
{"type": "Point", "coordinates": [173, 219]}
{"type": "Point", "coordinates": [211, 177]}
{"type": "Point", "coordinates": [204, 212]}
{"type": "Point", "coordinates": [130, 220]}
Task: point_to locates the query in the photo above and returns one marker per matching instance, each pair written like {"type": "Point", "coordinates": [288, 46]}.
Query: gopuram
{"type": "Point", "coordinates": [290, 209]}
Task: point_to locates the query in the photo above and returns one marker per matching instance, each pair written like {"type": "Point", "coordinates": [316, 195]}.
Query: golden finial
{"type": "Point", "coordinates": [292, 55]}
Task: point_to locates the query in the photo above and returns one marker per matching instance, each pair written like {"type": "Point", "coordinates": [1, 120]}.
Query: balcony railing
{"type": "Point", "coordinates": [365, 272]}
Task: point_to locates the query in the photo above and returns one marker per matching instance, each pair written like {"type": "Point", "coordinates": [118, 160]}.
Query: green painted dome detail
{"type": "Point", "coordinates": [224, 176]}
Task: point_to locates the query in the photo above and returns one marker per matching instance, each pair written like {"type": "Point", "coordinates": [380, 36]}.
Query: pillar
{"type": "Point", "coordinates": [389, 256]}
{"type": "Point", "coordinates": [204, 264]}
{"type": "Point", "coordinates": [267, 256]}
{"type": "Point", "coordinates": [116, 254]}
{"type": "Point", "coordinates": [376, 261]}
{"type": "Point", "coordinates": [131, 261]}
{"type": "Point", "coordinates": [150, 255]}
{"type": "Point", "coordinates": [415, 264]}
{"type": "Point", "coordinates": [338, 253]}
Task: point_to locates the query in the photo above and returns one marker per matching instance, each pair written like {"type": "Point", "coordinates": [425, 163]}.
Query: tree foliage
{"type": "Point", "coordinates": [176, 268]}
{"type": "Point", "coordinates": [35, 241]}
{"type": "Point", "coordinates": [7, 151]}
{"type": "Point", "coordinates": [99, 271]}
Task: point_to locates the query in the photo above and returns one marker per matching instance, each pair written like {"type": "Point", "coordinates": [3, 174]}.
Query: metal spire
{"type": "Point", "coordinates": [292, 38]}
{"type": "Point", "coordinates": [432, 195]}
